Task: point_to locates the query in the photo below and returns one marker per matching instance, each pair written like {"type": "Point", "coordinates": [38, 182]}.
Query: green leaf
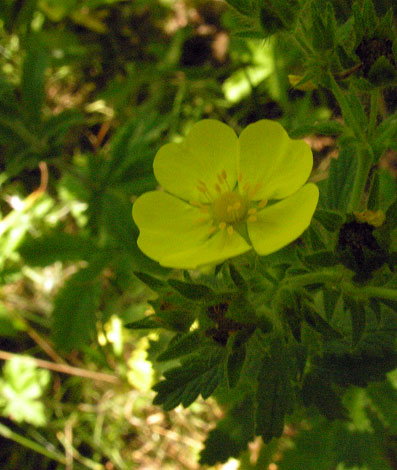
{"type": "Point", "coordinates": [182, 346]}
{"type": "Point", "coordinates": [391, 215]}
{"type": "Point", "coordinates": [231, 435]}
{"type": "Point", "coordinates": [75, 307]}
{"type": "Point", "coordinates": [237, 278]}
{"type": "Point", "coordinates": [56, 246]}
{"type": "Point", "coordinates": [199, 374]}
{"type": "Point", "coordinates": [274, 393]}
{"type": "Point", "coordinates": [358, 318]}
{"type": "Point", "coordinates": [317, 322]}
{"type": "Point", "coordinates": [32, 83]}
{"type": "Point", "coordinates": [322, 258]}
{"type": "Point", "coordinates": [330, 299]}
{"type": "Point", "coordinates": [150, 322]}
{"type": "Point", "coordinates": [152, 282]}
{"type": "Point", "coordinates": [359, 369]}
{"type": "Point", "coordinates": [57, 126]}
{"type": "Point", "coordinates": [236, 356]}
{"type": "Point", "coordinates": [21, 388]}
{"type": "Point", "coordinates": [383, 398]}
{"type": "Point", "coordinates": [332, 128]}
{"type": "Point", "coordinates": [330, 220]}
{"type": "Point", "coordinates": [318, 390]}
{"type": "Point", "coordinates": [340, 178]}
{"type": "Point", "coordinates": [245, 7]}
{"type": "Point", "coordinates": [192, 291]}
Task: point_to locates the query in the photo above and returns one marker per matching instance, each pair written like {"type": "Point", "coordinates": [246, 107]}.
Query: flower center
{"type": "Point", "coordinates": [230, 207]}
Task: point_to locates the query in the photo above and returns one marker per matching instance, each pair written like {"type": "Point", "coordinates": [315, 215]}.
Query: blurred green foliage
{"type": "Point", "coordinates": [89, 90]}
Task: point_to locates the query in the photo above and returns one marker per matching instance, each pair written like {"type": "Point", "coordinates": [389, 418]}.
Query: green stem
{"type": "Point", "coordinates": [373, 114]}
{"type": "Point", "coordinates": [364, 164]}
{"type": "Point", "coordinates": [312, 278]}
{"type": "Point", "coordinates": [8, 434]}
{"type": "Point", "coordinates": [372, 292]}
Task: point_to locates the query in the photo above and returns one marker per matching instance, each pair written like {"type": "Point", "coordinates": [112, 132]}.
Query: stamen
{"type": "Point", "coordinates": [219, 178]}
{"type": "Point", "coordinates": [240, 177]}
{"type": "Point", "coordinates": [222, 226]}
{"type": "Point", "coordinates": [224, 175]}
{"type": "Point", "coordinates": [246, 187]}
{"type": "Point", "coordinates": [252, 218]}
{"type": "Point", "coordinates": [263, 203]}
{"type": "Point", "coordinates": [212, 230]}
{"type": "Point", "coordinates": [237, 205]}
{"type": "Point", "coordinates": [255, 189]}
{"type": "Point", "coordinates": [196, 203]}
{"type": "Point", "coordinates": [252, 211]}
{"type": "Point", "coordinates": [200, 220]}
{"type": "Point", "coordinates": [230, 230]}
{"type": "Point", "coordinates": [218, 188]}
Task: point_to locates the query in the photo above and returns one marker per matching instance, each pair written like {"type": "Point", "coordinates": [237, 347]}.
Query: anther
{"type": "Point", "coordinates": [218, 188]}
{"type": "Point", "coordinates": [246, 187]}
{"type": "Point", "coordinates": [252, 218]}
{"type": "Point", "coordinates": [196, 204]}
{"type": "Point", "coordinates": [263, 203]}
{"type": "Point", "coordinates": [212, 230]}
{"type": "Point", "coordinates": [240, 177]}
{"type": "Point", "coordinates": [251, 211]}
{"type": "Point", "coordinates": [255, 189]}
{"type": "Point", "coordinates": [222, 226]}
{"type": "Point", "coordinates": [219, 178]}
{"type": "Point", "coordinates": [230, 230]}
{"type": "Point", "coordinates": [237, 205]}
{"type": "Point", "coordinates": [224, 174]}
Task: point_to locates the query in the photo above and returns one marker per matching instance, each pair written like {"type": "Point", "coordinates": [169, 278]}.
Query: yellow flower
{"type": "Point", "coordinates": [225, 195]}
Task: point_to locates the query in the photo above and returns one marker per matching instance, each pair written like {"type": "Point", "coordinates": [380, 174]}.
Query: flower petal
{"type": "Point", "coordinates": [172, 232]}
{"type": "Point", "coordinates": [269, 158]}
{"type": "Point", "coordinates": [167, 224]}
{"type": "Point", "coordinates": [216, 249]}
{"type": "Point", "coordinates": [283, 222]}
{"type": "Point", "coordinates": [210, 148]}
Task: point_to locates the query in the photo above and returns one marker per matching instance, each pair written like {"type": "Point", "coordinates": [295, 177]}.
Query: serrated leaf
{"type": "Point", "coordinates": [330, 220]}
{"type": "Point", "coordinates": [234, 363]}
{"type": "Point", "coordinates": [322, 258]}
{"type": "Point", "coordinates": [274, 394]}
{"type": "Point", "coordinates": [237, 278]}
{"type": "Point", "coordinates": [192, 291]}
{"type": "Point", "coordinates": [383, 398]}
{"type": "Point", "coordinates": [32, 82]}
{"type": "Point", "coordinates": [149, 322]}
{"type": "Point", "coordinates": [340, 178]}
{"type": "Point", "coordinates": [317, 322]}
{"type": "Point", "coordinates": [359, 369]}
{"type": "Point", "coordinates": [391, 215]}
{"type": "Point", "coordinates": [198, 374]}
{"type": "Point", "coordinates": [330, 299]}
{"type": "Point", "coordinates": [151, 281]}
{"type": "Point", "coordinates": [182, 346]}
{"type": "Point", "coordinates": [74, 309]}
{"type": "Point", "coordinates": [57, 126]}
{"type": "Point", "coordinates": [231, 435]}
{"type": "Point", "coordinates": [358, 318]}
{"type": "Point", "coordinates": [56, 246]}
{"type": "Point", "coordinates": [317, 390]}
